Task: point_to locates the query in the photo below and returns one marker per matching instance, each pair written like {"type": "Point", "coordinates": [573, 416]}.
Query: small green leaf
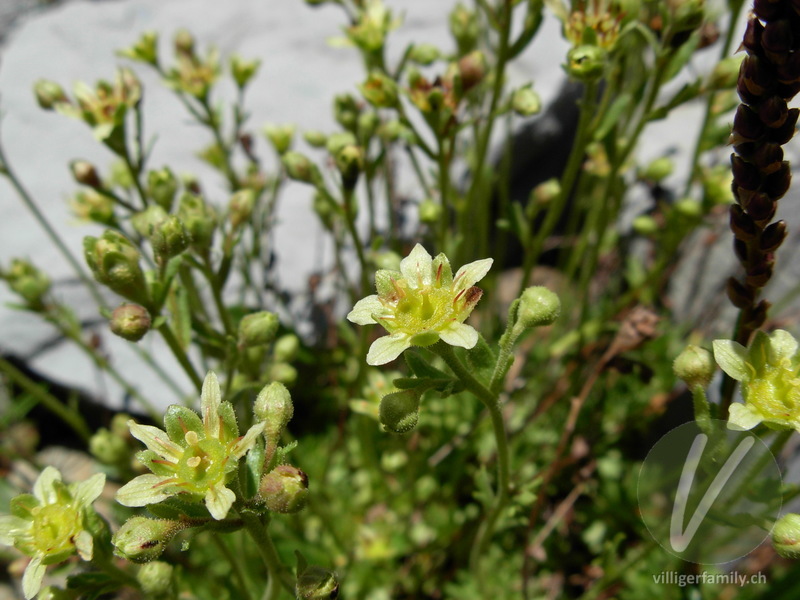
{"type": "Point", "coordinates": [422, 367]}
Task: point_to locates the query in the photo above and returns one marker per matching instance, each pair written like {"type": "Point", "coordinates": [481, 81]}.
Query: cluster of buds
{"type": "Point", "coordinates": [103, 108]}
{"type": "Point", "coordinates": [192, 75]}
{"type": "Point", "coordinates": [114, 262]}
{"type": "Point", "coordinates": [28, 282]}
{"type": "Point", "coordinates": [769, 77]}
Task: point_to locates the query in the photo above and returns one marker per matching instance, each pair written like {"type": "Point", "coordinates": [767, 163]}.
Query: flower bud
{"type": "Point", "coordinates": [284, 489]}
{"type": "Point", "coordinates": [299, 167]}
{"type": "Point", "coordinates": [317, 139]}
{"type": "Point", "coordinates": [144, 50]}
{"type": "Point", "coordinates": [345, 111]}
{"type": "Point", "coordinates": [338, 141]}
{"type": "Point", "coordinates": [85, 173]}
{"type": "Point", "coordinates": [658, 170]}
{"type": "Point", "coordinates": [538, 306]}
{"type": "Point", "coordinates": [130, 322]}
{"type": "Point", "coordinates": [645, 225]}
{"type": "Point", "coordinates": [280, 136]}
{"type": "Point", "coordinates": [257, 329]}
{"type": "Point", "coordinates": [689, 207]}
{"type": "Point", "coordinates": [324, 209]}
{"type": "Point", "coordinates": [586, 63]}
{"type": "Point", "coordinates": [274, 405]}
{"type": "Point", "coordinates": [526, 102]}
{"type": "Point", "coordinates": [155, 578]}
{"type": "Point", "coordinates": [162, 186]}
{"type": "Point", "coordinates": [380, 90]}
{"type": "Point", "coordinates": [399, 411]}
{"type": "Point", "coordinates": [368, 122]}
{"type": "Point", "coordinates": [430, 211]}
{"type": "Point", "coordinates": [695, 366]}
{"type": "Point", "coordinates": [286, 348]}
{"type": "Point", "coordinates": [240, 207]}
{"type": "Point", "coordinates": [169, 238]}
{"type": "Point", "coordinates": [316, 583]}
{"type": "Point", "coordinates": [199, 219]}
{"type": "Point", "coordinates": [464, 27]}
{"type": "Point", "coordinates": [91, 205]}
{"type": "Point", "coordinates": [145, 221]}
{"type": "Point", "coordinates": [109, 448]}
{"type": "Point", "coordinates": [282, 372]}
{"type": "Point", "coordinates": [471, 69]}
{"type": "Point", "coordinates": [27, 281]}
{"type": "Point", "coordinates": [243, 70]}
{"type": "Point", "coordinates": [350, 162]}
{"type": "Point", "coordinates": [546, 192]}
{"type": "Point", "coordinates": [184, 43]}
{"type": "Point", "coordinates": [726, 73]}
{"type": "Point", "coordinates": [48, 94]}
{"type": "Point", "coordinates": [423, 54]}
{"type": "Point", "coordinates": [786, 536]}
{"type": "Point", "coordinates": [114, 262]}
{"type": "Point", "coordinates": [141, 539]}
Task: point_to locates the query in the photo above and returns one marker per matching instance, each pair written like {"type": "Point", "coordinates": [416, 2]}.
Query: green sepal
{"type": "Point", "coordinates": [254, 463]}
{"type": "Point", "coordinates": [481, 357]}
{"type": "Point", "coordinates": [92, 585]}
{"type": "Point", "coordinates": [174, 509]}
{"type": "Point", "coordinates": [178, 420]}
{"type": "Point", "coordinates": [96, 525]}
{"type": "Point", "coordinates": [282, 452]}
{"type": "Point", "coordinates": [147, 458]}
{"type": "Point", "coordinates": [229, 426]}
{"type": "Point", "coordinates": [302, 563]}
{"type": "Point", "coordinates": [444, 385]}
{"type": "Point", "coordinates": [22, 505]}
{"type": "Point", "coordinates": [422, 368]}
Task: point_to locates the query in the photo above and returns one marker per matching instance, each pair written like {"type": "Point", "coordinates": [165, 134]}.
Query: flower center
{"type": "Point", "coordinates": [54, 526]}
{"type": "Point", "coordinates": [202, 464]}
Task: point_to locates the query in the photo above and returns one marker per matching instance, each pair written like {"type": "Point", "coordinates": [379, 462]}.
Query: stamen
{"type": "Point", "coordinates": [194, 461]}
{"type": "Point", "coordinates": [191, 438]}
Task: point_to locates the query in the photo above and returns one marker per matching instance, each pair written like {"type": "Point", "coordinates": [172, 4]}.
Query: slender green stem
{"type": "Point", "coordinates": [503, 22]}
{"type": "Point", "coordinates": [349, 220]}
{"type": "Point", "coordinates": [735, 9]}
{"type": "Point", "coordinates": [235, 563]}
{"type": "Point", "coordinates": [216, 293]}
{"type": "Point", "coordinates": [568, 179]}
{"type": "Point", "coordinates": [443, 162]}
{"type": "Point", "coordinates": [29, 202]}
{"type": "Point", "coordinates": [67, 414]}
{"type": "Point", "coordinates": [181, 355]}
{"type": "Point", "coordinates": [275, 569]}
{"type": "Point", "coordinates": [502, 495]}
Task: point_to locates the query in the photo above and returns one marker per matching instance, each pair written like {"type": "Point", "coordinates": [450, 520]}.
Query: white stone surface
{"type": "Point", "coordinates": [299, 76]}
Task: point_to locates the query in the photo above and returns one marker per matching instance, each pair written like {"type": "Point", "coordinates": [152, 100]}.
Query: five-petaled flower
{"type": "Point", "coordinates": [768, 372]}
{"type": "Point", "coordinates": [51, 524]}
{"type": "Point", "coordinates": [194, 458]}
{"type": "Point", "coordinates": [421, 304]}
